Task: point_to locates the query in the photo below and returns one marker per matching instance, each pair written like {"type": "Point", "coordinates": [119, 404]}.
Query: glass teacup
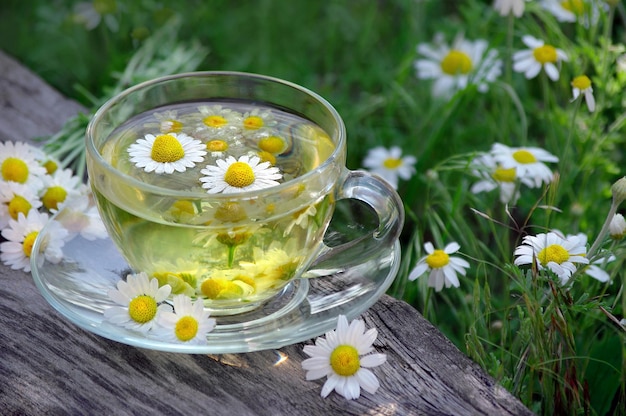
{"type": "Point", "coordinates": [223, 184]}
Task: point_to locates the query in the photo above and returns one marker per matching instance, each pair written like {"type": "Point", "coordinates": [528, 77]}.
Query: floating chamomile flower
{"type": "Point", "coordinates": [553, 252]}
{"type": "Point", "coordinates": [140, 299]}
{"type": "Point", "coordinates": [455, 67]}
{"type": "Point", "coordinates": [389, 164]}
{"type": "Point", "coordinates": [507, 7]}
{"type": "Point", "coordinates": [343, 356]}
{"type": "Point", "coordinates": [21, 235]}
{"type": "Point", "coordinates": [257, 119]}
{"type": "Point", "coordinates": [60, 187]}
{"type": "Point", "coordinates": [581, 85]}
{"type": "Point", "coordinates": [167, 122]}
{"type": "Point", "coordinates": [166, 153]}
{"type": "Point", "coordinates": [217, 117]}
{"type": "Point", "coordinates": [16, 198]}
{"type": "Point", "coordinates": [239, 175]}
{"type": "Point", "coordinates": [443, 267]}
{"type": "Point", "coordinates": [21, 162]}
{"type": "Point", "coordinates": [539, 55]}
{"type": "Point", "coordinates": [189, 323]}
{"type": "Point", "coordinates": [217, 147]}
{"type": "Point", "coordinates": [527, 161]}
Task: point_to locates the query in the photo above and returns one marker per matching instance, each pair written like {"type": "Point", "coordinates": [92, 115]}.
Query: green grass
{"type": "Point", "coordinates": [554, 347]}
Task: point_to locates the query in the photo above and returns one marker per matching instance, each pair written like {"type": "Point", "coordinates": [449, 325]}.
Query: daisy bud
{"type": "Point", "coordinates": [617, 227]}
{"type": "Point", "coordinates": [618, 190]}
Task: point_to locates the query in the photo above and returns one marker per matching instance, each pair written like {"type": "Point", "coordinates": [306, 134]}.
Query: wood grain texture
{"type": "Point", "coordinates": [50, 366]}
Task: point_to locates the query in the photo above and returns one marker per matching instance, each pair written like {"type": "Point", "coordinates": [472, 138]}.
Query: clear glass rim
{"type": "Point", "coordinates": [94, 153]}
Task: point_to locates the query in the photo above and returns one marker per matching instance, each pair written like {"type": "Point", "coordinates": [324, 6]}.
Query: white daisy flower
{"type": "Point", "coordinates": [455, 67]}
{"type": "Point", "coordinates": [507, 7]}
{"type": "Point", "coordinates": [494, 176]}
{"type": "Point", "coordinates": [257, 119]}
{"type": "Point", "coordinates": [166, 153]}
{"type": "Point", "coordinates": [80, 216]}
{"type": "Point", "coordinates": [21, 162]}
{"type": "Point", "coordinates": [301, 219]}
{"type": "Point", "coordinates": [140, 299]}
{"type": "Point", "coordinates": [343, 356]}
{"type": "Point", "coordinates": [242, 175]}
{"type": "Point", "coordinates": [540, 55]}
{"type": "Point", "coordinates": [389, 164]}
{"type": "Point", "coordinates": [527, 161]}
{"type": "Point", "coordinates": [596, 268]}
{"type": "Point", "coordinates": [617, 227]}
{"type": "Point", "coordinates": [15, 198]}
{"type": "Point", "coordinates": [443, 267]}
{"type": "Point", "coordinates": [569, 11]}
{"type": "Point", "coordinates": [217, 117]}
{"type": "Point", "coordinates": [59, 187]}
{"type": "Point", "coordinates": [553, 252]}
{"type": "Point", "coordinates": [581, 85]}
{"type": "Point", "coordinates": [21, 235]}
{"type": "Point", "coordinates": [189, 323]}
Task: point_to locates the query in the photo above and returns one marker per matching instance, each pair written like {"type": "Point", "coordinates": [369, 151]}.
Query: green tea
{"type": "Point", "coordinates": [227, 226]}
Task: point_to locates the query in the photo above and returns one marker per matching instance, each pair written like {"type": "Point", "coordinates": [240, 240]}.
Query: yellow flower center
{"type": "Point", "coordinates": [555, 253]}
{"type": "Point", "coordinates": [544, 54]}
{"type": "Point", "coordinates": [215, 121]}
{"type": "Point", "coordinates": [437, 259]}
{"type": "Point", "coordinates": [524, 157]}
{"type": "Point", "coordinates": [504, 175]}
{"type": "Point", "coordinates": [29, 241]}
{"type": "Point", "coordinates": [18, 204]}
{"type": "Point", "coordinates": [14, 169]}
{"type": "Point", "coordinates": [142, 309]}
{"type": "Point", "coordinates": [53, 197]}
{"type": "Point", "coordinates": [233, 239]}
{"type": "Point", "coordinates": [456, 62]}
{"type": "Point", "coordinates": [272, 144]}
{"type": "Point", "coordinates": [345, 360]}
{"type": "Point", "coordinates": [183, 206]}
{"type": "Point", "coordinates": [171, 126]}
{"type": "Point", "coordinates": [186, 328]}
{"type": "Point", "coordinates": [267, 157]}
{"type": "Point", "coordinates": [167, 148]}
{"type": "Point", "coordinates": [217, 146]}
{"type": "Point", "coordinates": [581, 82]}
{"type": "Point", "coordinates": [253, 122]}
{"type": "Point", "coordinates": [392, 163]}
{"type": "Point", "coordinates": [50, 166]}
{"type": "Point", "coordinates": [575, 6]}
{"type": "Point", "coordinates": [239, 175]}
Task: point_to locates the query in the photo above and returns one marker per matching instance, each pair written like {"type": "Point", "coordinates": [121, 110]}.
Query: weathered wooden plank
{"type": "Point", "coordinates": [50, 366]}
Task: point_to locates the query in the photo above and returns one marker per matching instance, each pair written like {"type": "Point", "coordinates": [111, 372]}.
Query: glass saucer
{"type": "Point", "coordinates": [77, 287]}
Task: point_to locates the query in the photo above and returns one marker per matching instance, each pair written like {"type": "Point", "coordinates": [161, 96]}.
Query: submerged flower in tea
{"type": "Point", "coordinates": [456, 66]}
{"type": "Point", "coordinates": [257, 119]}
{"type": "Point", "coordinates": [390, 164]}
{"type": "Point", "coordinates": [239, 175]}
{"type": "Point", "coordinates": [140, 299]}
{"type": "Point", "coordinates": [166, 153]}
{"type": "Point", "coordinates": [343, 356]}
{"type": "Point", "coordinates": [189, 323]}
{"type": "Point", "coordinates": [553, 252]}
{"type": "Point", "coordinates": [21, 235]}
{"type": "Point", "coordinates": [443, 267]}
{"type": "Point", "coordinates": [539, 55]}
{"type": "Point", "coordinates": [581, 85]}
{"type": "Point", "coordinates": [216, 117]}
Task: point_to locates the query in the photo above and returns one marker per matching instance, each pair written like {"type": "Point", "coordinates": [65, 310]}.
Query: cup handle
{"type": "Point", "coordinates": [386, 203]}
